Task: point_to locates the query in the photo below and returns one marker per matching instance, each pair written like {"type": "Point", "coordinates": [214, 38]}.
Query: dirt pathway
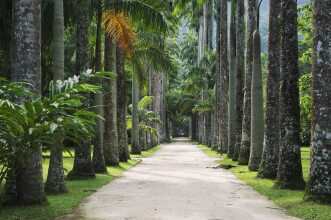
{"type": "Point", "coordinates": [175, 183]}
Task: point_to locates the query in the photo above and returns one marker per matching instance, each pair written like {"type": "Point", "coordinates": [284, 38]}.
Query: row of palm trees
{"type": "Point", "coordinates": [134, 30]}
{"type": "Point", "coordinates": [266, 139]}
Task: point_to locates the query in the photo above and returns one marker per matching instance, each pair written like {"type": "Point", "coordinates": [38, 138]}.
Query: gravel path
{"type": "Point", "coordinates": [177, 183]}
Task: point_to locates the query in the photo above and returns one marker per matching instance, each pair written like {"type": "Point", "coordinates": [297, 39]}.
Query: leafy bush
{"type": "Point", "coordinates": [28, 122]}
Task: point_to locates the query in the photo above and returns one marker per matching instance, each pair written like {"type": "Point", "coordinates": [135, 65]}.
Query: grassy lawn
{"type": "Point", "coordinates": [290, 200]}
{"type": "Point", "coordinates": [77, 190]}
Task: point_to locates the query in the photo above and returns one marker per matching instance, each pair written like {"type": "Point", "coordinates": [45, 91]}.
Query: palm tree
{"type": "Point", "coordinates": [82, 164]}
{"type": "Point", "coordinates": [55, 183]}
{"type": "Point", "coordinates": [224, 73]}
{"type": "Point", "coordinates": [319, 186]}
{"type": "Point", "coordinates": [217, 83]}
{"type": "Point", "coordinates": [110, 141]}
{"type": "Point", "coordinates": [269, 161]}
{"type": "Point", "coordinates": [135, 147]}
{"type": "Point", "coordinates": [25, 184]}
{"type": "Point", "coordinates": [124, 153]}
{"type": "Point", "coordinates": [232, 82]}
{"type": "Point", "coordinates": [99, 164]}
{"type": "Point", "coordinates": [257, 117]}
{"type": "Point", "coordinates": [246, 124]}
{"type": "Point", "coordinates": [289, 174]}
{"type": "Point", "coordinates": [240, 70]}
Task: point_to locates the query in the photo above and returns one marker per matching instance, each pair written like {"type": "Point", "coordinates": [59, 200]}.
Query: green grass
{"type": "Point", "coordinates": [290, 200]}
{"type": "Point", "coordinates": [77, 190]}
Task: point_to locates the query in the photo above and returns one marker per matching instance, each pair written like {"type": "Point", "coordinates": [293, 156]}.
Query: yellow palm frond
{"type": "Point", "coordinates": [118, 26]}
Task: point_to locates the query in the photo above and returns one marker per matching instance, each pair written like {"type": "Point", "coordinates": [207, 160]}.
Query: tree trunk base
{"type": "Point", "coordinates": [244, 154]}
{"type": "Point", "coordinates": [113, 163]}
{"type": "Point", "coordinates": [294, 185]}
{"type": "Point", "coordinates": [99, 169]}
{"type": "Point", "coordinates": [73, 175]}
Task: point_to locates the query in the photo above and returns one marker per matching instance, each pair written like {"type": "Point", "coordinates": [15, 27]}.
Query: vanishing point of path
{"type": "Point", "coordinates": [177, 183]}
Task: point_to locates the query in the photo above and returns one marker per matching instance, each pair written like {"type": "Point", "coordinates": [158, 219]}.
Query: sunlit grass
{"type": "Point", "coordinates": [290, 200]}
{"type": "Point", "coordinates": [77, 190]}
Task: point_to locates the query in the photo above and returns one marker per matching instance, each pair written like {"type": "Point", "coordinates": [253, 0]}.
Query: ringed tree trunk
{"type": "Point", "coordinates": [83, 167]}
{"type": "Point", "coordinates": [319, 186]}
{"type": "Point", "coordinates": [99, 164]}
{"type": "Point", "coordinates": [218, 79]}
{"type": "Point", "coordinates": [212, 130]}
{"type": "Point", "coordinates": [110, 137]}
{"type": "Point", "coordinates": [168, 130]}
{"type": "Point", "coordinates": [142, 140]}
{"type": "Point", "coordinates": [55, 183]}
{"type": "Point", "coordinates": [232, 83]}
{"type": "Point", "coordinates": [135, 148]}
{"type": "Point", "coordinates": [289, 174]}
{"type": "Point", "coordinates": [246, 124]}
{"type": "Point", "coordinates": [124, 153]}
{"type": "Point", "coordinates": [157, 102]}
{"type": "Point", "coordinates": [25, 182]}
{"type": "Point", "coordinates": [240, 70]}
{"type": "Point", "coordinates": [201, 48]}
{"type": "Point", "coordinates": [257, 119]}
{"type": "Point", "coordinates": [269, 161]}
{"type": "Point", "coordinates": [224, 74]}
{"type": "Point", "coordinates": [208, 133]}
{"type": "Point", "coordinates": [163, 113]}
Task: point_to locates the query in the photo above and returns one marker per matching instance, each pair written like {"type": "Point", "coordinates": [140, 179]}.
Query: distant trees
{"type": "Point", "coordinates": [64, 111]}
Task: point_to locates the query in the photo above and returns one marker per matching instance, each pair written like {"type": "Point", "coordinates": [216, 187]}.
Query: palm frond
{"type": "Point", "coordinates": [118, 26]}
{"type": "Point", "coordinates": [147, 12]}
{"type": "Point", "coordinates": [145, 101]}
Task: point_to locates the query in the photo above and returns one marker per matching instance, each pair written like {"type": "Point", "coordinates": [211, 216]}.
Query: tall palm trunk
{"type": "Point", "coordinates": [205, 43]}
{"type": "Point", "coordinates": [155, 88]}
{"type": "Point", "coordinates": [142, 140]}
{"type": "Point", "coordinates": [212, 130]}
{"type": "Point", "coordinates": [208, 133]}
{"type": "Point", "coordinates": [201, 36]}
{"type": "Point", "coordinates": [232, 82]}
{"type": "Point", "coordinates": [25, 183]}
{"type": "Point", "coordinates": [289, 174]}
{"type": "Point", "coordinates": [99, 164]}
{"type": "Point", "coordinates": [83, 167]}
{"type": "Point", "coordinates": [257, 117]}
{"type": "Point", "coordinates": [224, 74]}
{"type": "Point", "coordinates": [319, 186]}
{"type": "Point", "coordinates": [135, 148]}
{"type": "Point", "coordinates": [162, 107]}
{"type": "Point", "coordinates": [240, 70]}
{"type": "Point", "coordinates": [55, 183]}
{"type": "Point", "coordinates": [268, 166]}
{"type": "Point", "coordinates": [218, 82]}
{"type": "Point", "coordinates": [246, 124]}
{"type": "Point", "coordinates": [124, 153]}
{"type": "Point", "coordinates": [110, 137]}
